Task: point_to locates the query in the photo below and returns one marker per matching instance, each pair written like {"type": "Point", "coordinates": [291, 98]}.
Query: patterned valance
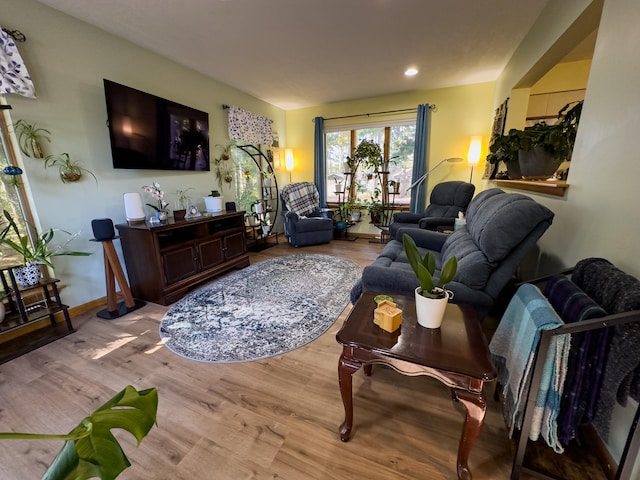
{"type": "Point", "coordinates": [249, 127]}
{"type": "Point", "coordinates": [14, 77]}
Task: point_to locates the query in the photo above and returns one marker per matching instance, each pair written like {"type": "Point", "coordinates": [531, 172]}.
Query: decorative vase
{"type": "Point", "coordinates": [213, 204]}
{"type": "Point", "coordinates": [27, 275]}
{"type": "Point", "coordinates": [430, 311]}
{"type": "Point", "coordinates": [162, 215]}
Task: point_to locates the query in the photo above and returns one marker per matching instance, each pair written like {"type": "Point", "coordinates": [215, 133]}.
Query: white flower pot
{"type": "Point", "coordinates": [213, 204]}
{"type": "Point", "coordinates": [430, 311]}
{"type": "Point", "coordinates": [355, 216]}
{"type": "Point", "coordinates": [266, 182]}
{"type": "Point", "coordinates": [266, 229]}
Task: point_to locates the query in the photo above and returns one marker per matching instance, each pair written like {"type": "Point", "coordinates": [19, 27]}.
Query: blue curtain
{"type": "Point", "coordinates": [319, 169]}
{"type": "Point", "coordinates": [419, 192]}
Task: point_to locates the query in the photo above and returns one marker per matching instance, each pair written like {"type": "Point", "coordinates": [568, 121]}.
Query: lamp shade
{"type": "Point", "coordinates": [288, 159]}
{"type": "Point", "coordinates": [133, 207]}
{"type": "Point", "coordinates": [475, 146]}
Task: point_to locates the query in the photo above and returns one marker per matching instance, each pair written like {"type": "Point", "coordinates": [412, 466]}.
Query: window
{"type": "Point", "coordinates": [396, 139]}
{"type": "Point", "coordinates": [11, 196]}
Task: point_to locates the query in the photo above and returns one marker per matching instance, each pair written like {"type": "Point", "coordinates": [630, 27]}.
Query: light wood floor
{"type": "Point", "coordinates": [275, 418]}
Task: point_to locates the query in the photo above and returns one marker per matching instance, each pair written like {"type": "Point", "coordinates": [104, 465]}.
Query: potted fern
{"type": "Point", "coordinates": [431, 297]}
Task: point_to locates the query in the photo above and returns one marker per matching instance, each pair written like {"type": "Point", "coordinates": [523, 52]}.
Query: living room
{"type": "Point", "coordinates": [68, 60]}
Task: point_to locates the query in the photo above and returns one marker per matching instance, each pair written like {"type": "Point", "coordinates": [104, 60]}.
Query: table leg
{"type": "Point", "coordinates": [476, 408]}
{"type": "Point", "coordinates": [346, 368]}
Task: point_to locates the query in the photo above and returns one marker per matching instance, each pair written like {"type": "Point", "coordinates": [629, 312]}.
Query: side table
{"type": "Point", "coordinates": [456, 354]}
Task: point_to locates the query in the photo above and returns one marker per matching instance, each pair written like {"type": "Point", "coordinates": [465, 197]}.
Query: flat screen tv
{"type": "Point", "coordinates": [149, 132]}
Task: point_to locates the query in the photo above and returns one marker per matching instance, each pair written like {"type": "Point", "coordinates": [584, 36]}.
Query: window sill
{"type": "Point", "coordinates": [555, 187]}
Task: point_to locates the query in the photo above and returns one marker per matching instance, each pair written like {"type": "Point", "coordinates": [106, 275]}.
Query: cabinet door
{"type": "Point", "coordinates": [211, 253]}
{"type": "Point", "coordinates": [235, 245]}
{"type": "Point", "coordinates": [179, 263]}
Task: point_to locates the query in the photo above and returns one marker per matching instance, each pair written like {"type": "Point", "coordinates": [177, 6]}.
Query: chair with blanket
{"type": "Point", "coordinates": [502, 228]}
{"type": "Point", "coordinates": [446, 201]}
{"type": "Point", "coordinates": [304, 222]}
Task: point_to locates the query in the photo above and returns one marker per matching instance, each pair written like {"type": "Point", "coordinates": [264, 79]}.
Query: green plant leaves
{"type": "Point", "coordinates": [91, 450]}
{"type": "Point", "coordinates": [97, 453]}
{"type": "Point", "coordinates": [424, 267]}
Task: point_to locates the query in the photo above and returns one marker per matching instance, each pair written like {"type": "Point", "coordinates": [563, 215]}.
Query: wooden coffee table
{"type": "Point", "coordinates": [456, 354]}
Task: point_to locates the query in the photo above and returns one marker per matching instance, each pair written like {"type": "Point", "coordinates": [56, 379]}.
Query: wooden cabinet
{"type": "Point", "coordinates": [166, 261]}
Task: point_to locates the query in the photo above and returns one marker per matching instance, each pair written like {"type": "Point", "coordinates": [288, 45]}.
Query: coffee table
{"type": "Point", "coordinates": [456, 354]}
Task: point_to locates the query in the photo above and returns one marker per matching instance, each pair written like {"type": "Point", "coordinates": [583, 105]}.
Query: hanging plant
{"type": "Point", "coordinates": [30, 138]}
{"type": "Point", "coordinates": [70, 171]}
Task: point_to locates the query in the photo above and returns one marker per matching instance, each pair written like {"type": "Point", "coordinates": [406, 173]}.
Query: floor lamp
{"type": "Point", "coordinates": [421, 179]}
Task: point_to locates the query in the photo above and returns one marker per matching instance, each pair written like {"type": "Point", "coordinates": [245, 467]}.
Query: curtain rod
{"type": "Point", "coordinates": [404, 110]}
{"type": "Point", "coordinates": [17, 35]}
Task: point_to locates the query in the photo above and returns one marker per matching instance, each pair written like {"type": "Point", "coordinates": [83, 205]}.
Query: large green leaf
{"type": "Point", "coordinates": [98, 453]}
{"type": "Point", "coordinates": [91, 450]}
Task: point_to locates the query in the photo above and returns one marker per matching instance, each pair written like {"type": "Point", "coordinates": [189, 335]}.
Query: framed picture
{"type": "Point", "coordinates": [499, 121]}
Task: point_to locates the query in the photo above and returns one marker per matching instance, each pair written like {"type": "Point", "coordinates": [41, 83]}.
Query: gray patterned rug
{"type": "Point", "coordinates": [266, 309]}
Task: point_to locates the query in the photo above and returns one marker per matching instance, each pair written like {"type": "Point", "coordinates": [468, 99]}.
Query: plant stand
{"type": "Point", "coordinates": [113, 270]}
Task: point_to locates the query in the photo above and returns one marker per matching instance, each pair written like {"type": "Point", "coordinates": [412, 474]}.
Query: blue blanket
{"type": "Point", "coordinates": [513, 348]}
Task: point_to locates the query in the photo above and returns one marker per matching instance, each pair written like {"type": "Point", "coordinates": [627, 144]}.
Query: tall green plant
{"type": "Point", "coordinates": [90, 449]}
{"type": "Point", "coordinates": [38, 252]}
{"type": "Point", "coordinates": [424, 267]}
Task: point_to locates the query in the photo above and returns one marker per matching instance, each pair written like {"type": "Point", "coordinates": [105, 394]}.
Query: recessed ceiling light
{"type": "Point", "coordinates": [410, 72]}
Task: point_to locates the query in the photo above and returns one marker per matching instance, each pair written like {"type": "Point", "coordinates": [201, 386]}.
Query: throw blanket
{"type": "Point", "coordinates": [513, 348]}
{"type": "Point", "coordinates": [302, 198]}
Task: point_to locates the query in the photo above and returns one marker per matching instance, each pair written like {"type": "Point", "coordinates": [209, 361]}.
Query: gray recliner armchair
{"type": "Point", "coordinates": [445, 201]}
{"type": "Point", "coordinates": [304, 222]}
{"type": "Point", "coordinates": [502, 228]}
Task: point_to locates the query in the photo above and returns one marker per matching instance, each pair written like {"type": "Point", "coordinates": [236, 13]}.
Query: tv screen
{"type": "Point", "coordinates": [149, 132]}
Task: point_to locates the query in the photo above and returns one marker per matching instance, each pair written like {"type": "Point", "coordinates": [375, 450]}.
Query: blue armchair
{"type": "Point", "coordinates": [446, 200]}
{"type": "Point", "coordinates": [304, 222]}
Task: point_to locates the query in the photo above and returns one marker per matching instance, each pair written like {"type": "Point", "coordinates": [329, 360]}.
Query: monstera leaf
{"type": "Point", "coordinates": [91, 450]}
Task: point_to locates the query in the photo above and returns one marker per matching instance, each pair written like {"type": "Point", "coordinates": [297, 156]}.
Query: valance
{"type": "Point", "coordinates": [14, 77]}
{"type": "Point", "coordinates": [249, 127]}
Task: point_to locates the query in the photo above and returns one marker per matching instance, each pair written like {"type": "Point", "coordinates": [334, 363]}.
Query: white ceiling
{"type": "Point", "coordinates": [299, 53]}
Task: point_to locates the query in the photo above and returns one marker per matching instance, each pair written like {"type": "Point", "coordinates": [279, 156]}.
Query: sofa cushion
{"type": "Point", "coordinates": [502, 221]}
{"type": "Point", "coordinates": [473, 267]}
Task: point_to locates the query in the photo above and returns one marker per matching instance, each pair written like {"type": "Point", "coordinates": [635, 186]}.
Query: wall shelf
{"type": "Point", "coordinates": [555, 187]}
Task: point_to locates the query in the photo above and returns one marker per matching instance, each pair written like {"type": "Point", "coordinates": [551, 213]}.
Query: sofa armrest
{"type": "Point", "coordinates": [424, 238]}
{"type": "Point", "coordinates": [406, 217]}
{"type": "Point", "coordinates": [430, 223]}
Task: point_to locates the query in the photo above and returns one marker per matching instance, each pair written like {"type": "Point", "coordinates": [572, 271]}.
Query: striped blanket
{"type": "Point", "coordinates": [513, 348]}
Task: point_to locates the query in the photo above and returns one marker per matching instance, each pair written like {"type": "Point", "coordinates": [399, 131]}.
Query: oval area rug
{"type": "Point", "coordinates": [263, 310]}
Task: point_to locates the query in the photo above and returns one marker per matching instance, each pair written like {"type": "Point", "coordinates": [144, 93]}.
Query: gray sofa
{"type": "Point", "coordinates": [501, 229]}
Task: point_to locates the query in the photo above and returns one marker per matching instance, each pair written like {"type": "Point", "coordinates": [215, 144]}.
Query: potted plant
{"type": "Point", "coordinates": [355, 205]}
{"type": "Point", "coordinates": [538, 150]}
{"type": "Point", "coordinates": [182, 203]}
{"type": "Point", "coordinates": [338, 179]}
{"type": "Point", "coordinates": [70, 171]}
{"type": "Point", "coordinates": [30, 137]}
{"type": "Point", "coordinates": [157, 193]}
{"type": "Point", "coordinates": [431, 297]}
{"type": "Point", "coordinates": [213, 202]}
{"type": "Point", "coordinates": [40, 252]}
{"type": "Point", "coordinates": [90, 449]}
{"type": "Point", "coordinates": [369, 154]}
